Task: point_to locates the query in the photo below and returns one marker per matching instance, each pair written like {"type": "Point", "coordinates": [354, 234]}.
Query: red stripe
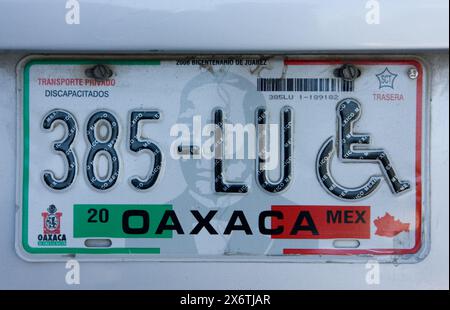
{"type": "Point", "coordinates": [330, 222]}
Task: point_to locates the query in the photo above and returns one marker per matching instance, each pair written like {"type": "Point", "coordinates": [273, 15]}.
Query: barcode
{"type": "Point", "coordinates": [305, 84]}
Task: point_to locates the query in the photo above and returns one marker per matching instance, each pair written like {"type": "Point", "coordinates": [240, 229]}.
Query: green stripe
{"type": "Point", "coordinates": [113, 215]}
{"type": "Point", "coordinates": [105, 61]}
{"type": "Point", "coordinates": [93, 251]}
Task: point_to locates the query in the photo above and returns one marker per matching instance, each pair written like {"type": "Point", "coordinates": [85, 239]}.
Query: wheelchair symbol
{"type": "Point", "coordinates": [348, 113]}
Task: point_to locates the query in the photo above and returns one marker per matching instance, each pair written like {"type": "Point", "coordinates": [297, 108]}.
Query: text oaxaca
{"type": "Point", "coordinates": [237, 222]}
{"type": "Point", "coordinates": [275, 222]}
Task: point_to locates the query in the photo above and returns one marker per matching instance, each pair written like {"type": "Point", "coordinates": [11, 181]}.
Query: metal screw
{"type": "Point", "coordinates": [347, 72]}
{"type": "Point", "coordinates": [413, 73]}
{"type": "Point", "coordinates": [99, 72]}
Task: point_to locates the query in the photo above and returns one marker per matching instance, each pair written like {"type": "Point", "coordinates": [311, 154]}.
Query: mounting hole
{"type": "Point", "coordinates": [346, 244]}
{"type": "Point", "coordinates": [98, 243]}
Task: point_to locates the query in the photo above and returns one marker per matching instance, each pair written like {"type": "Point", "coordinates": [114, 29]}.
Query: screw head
{"type": "Point", "coordinates": [347, 72]}
{"type": "Point", "coordinates": [99, 72]}
{"type": "Point", "coordinates": [413, 73]}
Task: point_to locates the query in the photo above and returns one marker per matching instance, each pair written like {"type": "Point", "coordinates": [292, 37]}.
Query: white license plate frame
{"type": "Point", "coordinates": [421, 234]}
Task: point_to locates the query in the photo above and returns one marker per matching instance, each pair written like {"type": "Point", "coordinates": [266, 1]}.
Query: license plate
{"type": "Point", "coordinates": [222, 158]}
